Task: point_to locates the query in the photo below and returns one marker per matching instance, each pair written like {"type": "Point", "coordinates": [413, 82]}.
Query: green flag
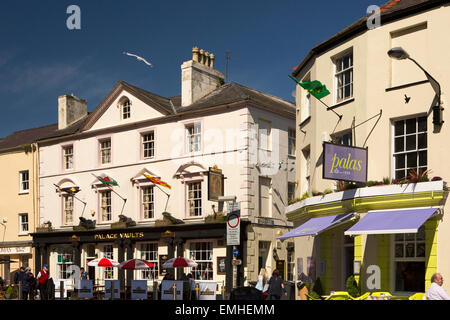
{"type": "Point", "coordinates": [316, 88]}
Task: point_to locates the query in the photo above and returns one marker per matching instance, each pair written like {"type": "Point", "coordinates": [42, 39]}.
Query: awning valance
{"type": "Point", "coordinates": [392, 221]}
{"type": "Point", "coordinates": [316, 225]}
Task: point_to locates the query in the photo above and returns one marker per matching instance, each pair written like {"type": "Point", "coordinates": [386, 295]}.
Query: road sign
{"type": "Point", "coordinates": [234, 228]}
{"type": "Point", "coordinates": [235, 252]}
{"type": "Point", "coordinates": [233, 206]}
{"type": "Point", "coordinates": [236, 262]}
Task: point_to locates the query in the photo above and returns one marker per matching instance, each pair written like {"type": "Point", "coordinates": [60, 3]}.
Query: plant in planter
{"type": "Point", "coordinates": [317, 291]}
{"type": "Point", "coordinates": [292, 201]}
{"type": "Point", "coordinates": [418, 176]}
{"type": "Point", "coordinates": [386, 180]}
{"type": "Point", "coordinates": [352, 287]}
{"type": "Point", "coordinates": [327, 191]}
{"type": "Point", "coordinates": [218, 217]}
{"type": "Point", "coordinates": [304, 196]}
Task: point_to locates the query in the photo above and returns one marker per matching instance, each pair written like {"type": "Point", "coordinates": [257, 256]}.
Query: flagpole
{"type": "Point", "coordinates": [73, 195]}
{"type": "Point", "coordinates": [168, 196]}
{"type": "Point", "coordinates": [124, 199]}
{"type": "Point", "coordinates": [328, 107]}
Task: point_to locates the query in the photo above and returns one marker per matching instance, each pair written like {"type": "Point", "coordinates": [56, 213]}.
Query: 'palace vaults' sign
{"type": "Point", "coordinates": [344, 163]}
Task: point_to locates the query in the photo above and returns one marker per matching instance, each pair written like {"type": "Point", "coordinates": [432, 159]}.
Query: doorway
{"type": "Point", "coordinates": [349, 257]}
{"type": "Point", "coordinates": [263, 254]}
{"type": "Point", "coordinates": [90, 254]}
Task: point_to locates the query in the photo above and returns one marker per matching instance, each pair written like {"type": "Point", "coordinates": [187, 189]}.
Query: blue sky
{"type": "Point", "coordinates": [40, 58]}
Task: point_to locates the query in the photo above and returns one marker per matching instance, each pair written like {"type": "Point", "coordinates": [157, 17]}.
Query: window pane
{"type": "Point", "coordinates": [400, 174]}
{"type": "Point", "coordinates": [422, 141]}
{"type": "Point", "coordinates": [399, 128]}
{"type": "Point", "coordinates": [399, 237]}
{"type": "Point", "coordinates": [410, 276]}
{"type": "Point", "coordinates": [409, 248]}
{"type": "Point", "coordinates": [412, 159]}
{"type": "Point", "coordinates": [409, 236]}
{"type": "Point", "coordinates": [420, 250]}
{"type": "Point", "coordinates": [421, 233]}
{"type": "Point", "coordinates": [422, 158]}
{"type": "Point", "coordinates": [399, 144]}
{"type": "Point", "coordinates": [399, 250]}
{"type": "Point", "coordinates": [410, 142]}
{"type": "Point", "coordinates": [400, 161]}
{"type": "Point", "coordinates": [422, 124]}
{"type": "Point", "coordinates": [411, 125]}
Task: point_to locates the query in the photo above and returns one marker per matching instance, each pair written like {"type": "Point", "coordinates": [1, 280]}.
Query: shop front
{"type": "Point", "coordinates": [14, 255]}
{"type": "Point", "coordinates": [64, 251]}
{"type": "Point", "coordinates": [386, 237]}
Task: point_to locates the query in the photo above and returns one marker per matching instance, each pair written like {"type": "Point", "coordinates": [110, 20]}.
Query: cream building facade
{"type": "Point", "coordinates": [238, 130]}
{"type": "Point", "coordinates": [386, 106]}
{"type": "Point", "coordinates": [18, 199]}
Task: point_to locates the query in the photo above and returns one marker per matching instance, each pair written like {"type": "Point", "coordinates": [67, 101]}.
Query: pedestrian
{"type": "Point", "coordinates": [276, 286]}
{"type": "Point", "coordinates": [27, 284]}
{"type": "Point", "coordinates": [84, 275]}
{"type": "Point", "coordinates": [435, 291]}
{"type": "Point", "coordinates": [261, 284]}
{"type": "Point", "coordinates": [18, 279]}
{"type": "Point", "coordinates": [192, 286]}
{"type": "Point", "coordinates": [2, 283]}
{"type": "Point", "coordinates": [42, 278]}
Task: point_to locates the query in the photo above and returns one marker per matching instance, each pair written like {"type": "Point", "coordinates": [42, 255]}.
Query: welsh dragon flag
{"type": "Point", "coordinates": [107, 180]}
{"type": "Point", "coordinates": [156, 180]}
{"type": "Point", "coordinates": [316, 88]}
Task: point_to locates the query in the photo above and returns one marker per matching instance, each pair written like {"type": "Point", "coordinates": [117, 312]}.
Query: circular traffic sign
{"type": "Point", "coordinates": [232, 217]}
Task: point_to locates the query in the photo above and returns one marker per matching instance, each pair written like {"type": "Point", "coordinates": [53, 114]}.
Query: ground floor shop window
{"type": "Point", "coordinates": [149, 252]}
{"type": "Point", "coordinates": [202, 253]}
{"type": "Point", "coordinates": [290, 265]}
{"type": "Point", "coordinates": [409, 261]}
{"type": "Point", "coordinates": [64, 261]}
{"type": "Point", "coordinates": [108, 252]}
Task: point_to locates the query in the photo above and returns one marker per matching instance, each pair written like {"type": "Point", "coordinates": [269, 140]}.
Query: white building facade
{"type": "Point", "coordinates": [133, 133]}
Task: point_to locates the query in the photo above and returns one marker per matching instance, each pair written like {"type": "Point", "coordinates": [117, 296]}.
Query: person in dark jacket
{"type": "Point", "coordinates": [18, 279]}
{"type": "Point", "coordinates": [276, 286]}
{"type": "Point", "coordinates": [27, 284]}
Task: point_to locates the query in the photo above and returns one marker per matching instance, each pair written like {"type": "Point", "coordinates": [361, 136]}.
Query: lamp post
{"type": "Point", "coordinates": [399, 53]}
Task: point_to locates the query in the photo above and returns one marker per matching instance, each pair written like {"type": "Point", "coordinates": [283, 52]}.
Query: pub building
{"type": "Point", "coordinates": [389, 227]}
{"type": "Point", "coordinates": [140, 177]}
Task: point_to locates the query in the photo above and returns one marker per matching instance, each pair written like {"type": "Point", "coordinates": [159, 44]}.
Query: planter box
{"type": "Point", "coordinates": [44, 229]}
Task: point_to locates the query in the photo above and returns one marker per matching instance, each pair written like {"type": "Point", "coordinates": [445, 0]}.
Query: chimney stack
{"type": "Point", "coordinates": [70, 110]}
{"type": "Point", "coordinates": [198, 77]}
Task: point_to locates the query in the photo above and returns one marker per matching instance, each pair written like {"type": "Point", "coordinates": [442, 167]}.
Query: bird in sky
{"type": "Point", "coordinates": [139, 58]}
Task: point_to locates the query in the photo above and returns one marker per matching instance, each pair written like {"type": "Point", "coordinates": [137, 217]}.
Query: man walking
{"type": "Point", "coordinates": [435, 291]}
{"type": "Point", "coordinates": [42, 278]}
{"type": "Point", "coordinates": [18, 281]}
{"type": "Point", "coordinates": [27, 284]}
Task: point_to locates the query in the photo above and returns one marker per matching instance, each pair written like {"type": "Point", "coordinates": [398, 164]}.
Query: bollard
{"type": "Point", "coordinates": [19, 294]}
{"type": "Point", "coordinates": [223, 292]}
{"type": "Point", "coordinates": [174, 287]}
{"type": "Point", "coordinates": [155, 290]}
{"type": "Point", "coordinates": [197, 292]}
{"type": "Point", "coordinates": [112, 290]}
{"type": "Point", "coordinates": [61, 290]}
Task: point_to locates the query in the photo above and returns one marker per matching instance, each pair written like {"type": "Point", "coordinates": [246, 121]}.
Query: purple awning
{"type": "Point", "coordinates": [392, 221]}
{"type": "Point", "coordinates": [315, 225]}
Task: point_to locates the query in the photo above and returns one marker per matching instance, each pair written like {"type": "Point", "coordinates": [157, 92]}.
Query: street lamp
{"type": "Point", "coordinates": [399, 53]}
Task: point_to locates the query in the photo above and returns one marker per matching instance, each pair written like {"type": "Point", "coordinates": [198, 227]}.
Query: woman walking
{"type": "Point", "coordinates": [276, 286]}
{"type": "Point", "coordinates": [262, 285]}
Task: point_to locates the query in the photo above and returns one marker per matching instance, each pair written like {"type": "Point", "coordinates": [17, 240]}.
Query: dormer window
{"type": "Point", "coordinates": [125, 108]}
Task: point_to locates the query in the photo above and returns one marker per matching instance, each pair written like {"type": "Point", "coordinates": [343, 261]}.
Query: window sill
{"type": "Point", "coordinates": [406, 85]}
{"type": "Point", "coordinates": [23, 234]}
{"type": "Point", "coordinates": [304, 122]}
{"type": "Point", "coordinates": [24, 192]}
{"type": "Point", "coordinates": [342, 103]}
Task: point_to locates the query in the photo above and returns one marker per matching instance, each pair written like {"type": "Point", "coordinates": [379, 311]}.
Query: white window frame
{"type": "Point", "coordinates": [188, 200]}
{"type": "Point", "coordinates": [24, 182]}
{"type": "Point", "coordinates": [62, 267]}
{"type": "Point", "coordinates": [65, 210]}
{"type": "Point", "coordinates": [151, 142]}
{"type": "Point", "coordinates": [337, 74]}
{"type": "Point", "coordinates": [152, 273]}
{"type": "Point", "coordinates": [101, 150]}
{"type": "Point", "coordinates": [417, 150]}
{"type": "Point", "coordinates": [292, 139]}
{"type": "Point", "coordinates": [100, 205]}
{"type": "Point", "coordinates": [109, 255]}
{"type": "Point", "coordinates": [125, 109]}
{"type": "Point", "coordinates": [268, 146]}
{"type": "Point", "coordinates": [22, 224]}
{"type": "Point", "coordinates": [394, 261]}
{"type": "Point", "coordinates": [200, 262]}
{"type": "Point", "coordinates": [67, 158]}
{"type": "Point", "coordinates": [151, 201]}
{"type": "Point", "coordinates": [191, 136]}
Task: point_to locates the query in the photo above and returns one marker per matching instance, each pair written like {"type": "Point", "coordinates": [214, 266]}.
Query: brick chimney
{"type": "Point", "coordinates": [70, 110]}
{"type": "Point", "coordinates": [198, 77]}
